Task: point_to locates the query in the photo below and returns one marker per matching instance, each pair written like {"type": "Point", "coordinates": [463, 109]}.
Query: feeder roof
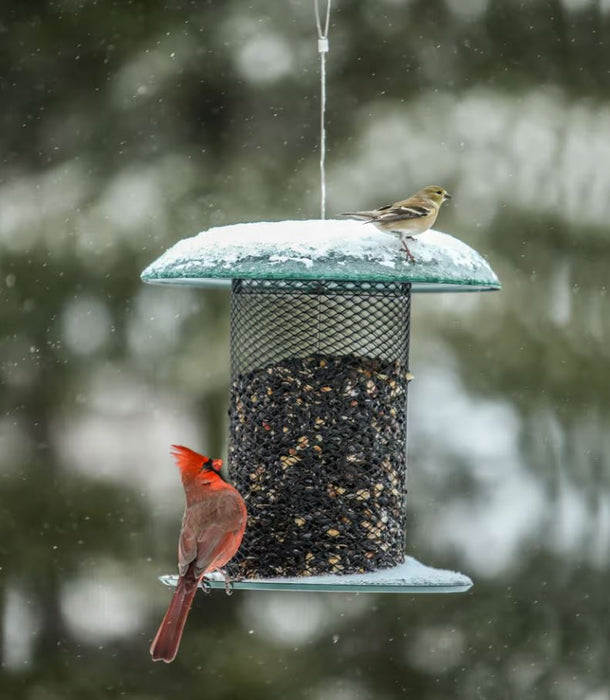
{"type": "Point", "coordinates": [342, 250]}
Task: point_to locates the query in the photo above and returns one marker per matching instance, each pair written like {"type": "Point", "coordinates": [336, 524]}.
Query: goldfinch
{"type": "Point", "coordinates": [408, 218]}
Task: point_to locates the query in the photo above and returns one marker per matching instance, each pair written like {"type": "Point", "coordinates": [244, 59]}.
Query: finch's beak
{"type": "Point", "coordinates": [447, 196]}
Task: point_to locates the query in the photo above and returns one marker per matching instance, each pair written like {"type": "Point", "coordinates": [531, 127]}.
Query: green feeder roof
{"type": "Point", "coordinates": [342, 250]}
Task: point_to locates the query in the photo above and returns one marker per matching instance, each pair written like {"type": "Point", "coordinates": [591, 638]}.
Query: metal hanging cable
{"type": "Point", "coordinates": [323, 50]}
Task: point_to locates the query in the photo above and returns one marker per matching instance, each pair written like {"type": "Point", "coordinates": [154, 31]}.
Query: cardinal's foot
{"type": "Point", "coordinates": [228, 582]}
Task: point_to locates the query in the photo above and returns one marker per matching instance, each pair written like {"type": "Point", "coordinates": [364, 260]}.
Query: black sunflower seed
{"type": "Point", "coordinates": [317, 450]}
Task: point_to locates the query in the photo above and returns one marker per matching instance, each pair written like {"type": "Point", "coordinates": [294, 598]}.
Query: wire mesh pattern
{"type": "Point", "coordinates": [318, 424]}
{"type": "Point", "coordinates": [275, 319]}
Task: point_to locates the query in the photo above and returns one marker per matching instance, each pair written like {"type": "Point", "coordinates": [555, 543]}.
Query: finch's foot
{"type": "Point", "coordinates": [405, 247]}
{"type": "Point", "coordinates": [206, 585]}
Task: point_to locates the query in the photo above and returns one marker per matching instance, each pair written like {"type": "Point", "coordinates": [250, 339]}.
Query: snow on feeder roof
{"type": "Point", "coordinates": [321, 250]}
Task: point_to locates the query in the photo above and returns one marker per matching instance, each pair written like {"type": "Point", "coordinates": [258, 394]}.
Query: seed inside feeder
{"type": "Point", "coordinates": [318, 452]}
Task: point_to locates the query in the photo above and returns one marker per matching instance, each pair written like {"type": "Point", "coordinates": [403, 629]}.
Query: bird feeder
{"type": "Point", "coordinates": [319, 347]}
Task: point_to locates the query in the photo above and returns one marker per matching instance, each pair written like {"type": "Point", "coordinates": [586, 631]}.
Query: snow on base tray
{"type": "Point", "coordinates": [316, 249]}
{"type": "Point", "coordinates": [409, 577]}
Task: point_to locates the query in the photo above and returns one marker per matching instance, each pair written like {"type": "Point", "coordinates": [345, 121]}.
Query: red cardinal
{"type": "Point", "coordinates": [212, 528]}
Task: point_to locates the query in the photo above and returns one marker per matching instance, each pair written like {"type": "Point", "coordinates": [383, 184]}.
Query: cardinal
{"type": "Point", "coordinates": [212, 529]}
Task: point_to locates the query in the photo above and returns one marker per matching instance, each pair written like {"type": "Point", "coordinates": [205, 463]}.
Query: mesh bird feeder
{"type": "Point", "coordinates": [320, 317]}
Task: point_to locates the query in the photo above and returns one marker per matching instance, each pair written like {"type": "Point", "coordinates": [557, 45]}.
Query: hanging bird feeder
{"type": "Point", "coordinates": [320, 319]}
{"type": "Point", "coordinates": [319, 349]}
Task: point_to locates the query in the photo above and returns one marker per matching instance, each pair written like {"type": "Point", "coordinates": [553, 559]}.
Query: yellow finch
{"type": "Point", "coordinates": [409, 217]}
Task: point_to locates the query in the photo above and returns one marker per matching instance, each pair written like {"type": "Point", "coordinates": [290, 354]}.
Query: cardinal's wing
{"type": "Point", "coordinates": [212, 530]}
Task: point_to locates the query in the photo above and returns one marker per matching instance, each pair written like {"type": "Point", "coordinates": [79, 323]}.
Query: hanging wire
{"type": "Point", "coordinates": [323, 50]}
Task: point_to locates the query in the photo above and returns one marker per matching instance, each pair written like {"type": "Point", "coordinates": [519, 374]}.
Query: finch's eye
{"type": "Point", "coordinates": [439, 191]}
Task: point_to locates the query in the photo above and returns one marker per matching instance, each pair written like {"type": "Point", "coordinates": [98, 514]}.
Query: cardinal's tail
{"type": "Point", "coordinates": [167, 640]}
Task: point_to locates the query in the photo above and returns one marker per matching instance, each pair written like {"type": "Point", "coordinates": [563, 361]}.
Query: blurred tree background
{"type": "Point", "coordinates": [128, 125]}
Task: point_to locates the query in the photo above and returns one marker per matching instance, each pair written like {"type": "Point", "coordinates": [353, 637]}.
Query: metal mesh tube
{"type": "Point", "coordinates": [317, 442]}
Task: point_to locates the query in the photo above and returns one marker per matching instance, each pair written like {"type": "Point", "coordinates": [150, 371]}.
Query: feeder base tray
{"type": "Point", "coordinates": [409, 577]}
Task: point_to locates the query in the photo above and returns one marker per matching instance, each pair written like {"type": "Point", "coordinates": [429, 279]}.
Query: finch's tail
{"type": "Point", "coordinates": [360, 215]}
{"type": "Point", "coordinates": [167, 640]}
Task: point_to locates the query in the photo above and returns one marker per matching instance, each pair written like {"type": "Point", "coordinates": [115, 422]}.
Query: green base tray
{"type": "Point", "coordinates": [409, 577]}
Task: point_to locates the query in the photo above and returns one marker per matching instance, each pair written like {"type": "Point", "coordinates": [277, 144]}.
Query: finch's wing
{"type": "Point", "coordinates": [391, 212]}
{"type": "Point", "coordinates": [400, 212]}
